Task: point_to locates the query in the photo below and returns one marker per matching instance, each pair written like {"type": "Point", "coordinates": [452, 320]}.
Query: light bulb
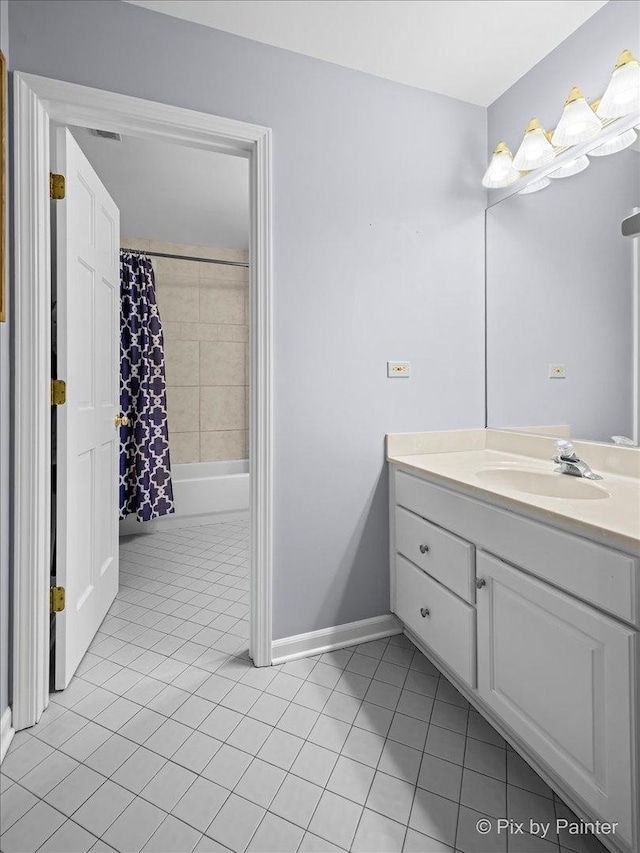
{"type": "Point", "coordinates": [535, 187]}
{"type": "Point", "coordinates": [578, 122]}
{"type": "Point", "coordinates": [501, 172]}
{"type": "Point", "coordinates": [622, 96]}
{"type": "Point", "coordinates": [573, 167]}
{"type": "Point", "coordinates": [535, 149]}
{"type": "Point", "coordinates": [618, 143]}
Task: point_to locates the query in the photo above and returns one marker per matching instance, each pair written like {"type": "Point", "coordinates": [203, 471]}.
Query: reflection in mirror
{"type": "Point", "coordinates": [560, 303]}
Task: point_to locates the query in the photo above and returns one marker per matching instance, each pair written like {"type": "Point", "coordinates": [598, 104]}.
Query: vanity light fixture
{"type": "Point", "coordinates": [535, 187]}
{"type": "Point", "coordinates": [618, 143]}
{"type": "Point", "coordinates": [501, 172]}
{"type": "Point", "coordinates": [573, 167]}
{"type": "Point", "coordinates": [578, 122]}
{"type": "Point", "coordinates": [535, 149]}
{"type": "Point", "coordinates": [622, 95]}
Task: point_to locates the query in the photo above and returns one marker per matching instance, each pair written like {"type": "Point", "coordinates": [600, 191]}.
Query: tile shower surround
{"type": "Point", "coordinates": [204, 311]}
{"type": "Point", "coordinates": [168, 740]}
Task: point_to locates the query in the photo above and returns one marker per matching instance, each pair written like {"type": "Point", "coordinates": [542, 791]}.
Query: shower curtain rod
{"type": "Point", "coordinates": [187, 258]}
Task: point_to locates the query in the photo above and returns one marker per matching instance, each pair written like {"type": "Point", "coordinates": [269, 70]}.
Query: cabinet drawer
{"type": "Point", "coordinates": [444, 556]}
{"type": "Point", "coordinates": [448, 625]}
{"type": "Point", "coordinates": [608, 578]}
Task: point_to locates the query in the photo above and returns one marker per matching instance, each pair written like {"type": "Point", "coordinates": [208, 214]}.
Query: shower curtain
{"type": "Point", "coordinates": [145, 467]}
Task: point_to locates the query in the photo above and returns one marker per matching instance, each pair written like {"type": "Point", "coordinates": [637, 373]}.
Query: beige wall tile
{"type": "Point", "coordinates": [178, 304]}
{"type": "Point", "coordinates": [134, 243]}
{"type": "Point", "coordinates": [223, 273]}
{"type": "Point", "coordinates": [182, 363]}
{"type": "Point", "coordinates": [223, 408]}
{"type": "Point", "coordinates": [184, 447]}
{"type": "Point", "coordinates": [171, 331]}
{"type": "Point", "coordinates": [233, 333]}
{"type": "Point", "coordinates": [200, 331]}
{"type": "Point", "coordinates": [183, 406]}
{"type": "Point", "coordinates": [222, 305]}
{"type": "Point", "coordinates": [218, 446]}
{"type": "Point", "coordinates": [222, 363]}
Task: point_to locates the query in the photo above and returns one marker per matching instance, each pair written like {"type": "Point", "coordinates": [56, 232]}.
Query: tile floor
{"type": "Point", "coordinates": [168, 740]}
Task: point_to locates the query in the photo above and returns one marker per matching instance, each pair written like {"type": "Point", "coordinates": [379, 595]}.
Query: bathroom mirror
{"type": "Point", "coordinates": [560, 281]}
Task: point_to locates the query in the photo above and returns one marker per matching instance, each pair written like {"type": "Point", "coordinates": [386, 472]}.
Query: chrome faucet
{"type": "Point", "coordinates": [568, 462]}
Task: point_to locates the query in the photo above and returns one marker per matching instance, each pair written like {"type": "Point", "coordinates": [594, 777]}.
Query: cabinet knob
{"type": "Point", "coordinates": [424, 549]}
{"type": "Point", "coordinates": [480, 582]}
{"type": "Point", "coordinates": [424, 611]}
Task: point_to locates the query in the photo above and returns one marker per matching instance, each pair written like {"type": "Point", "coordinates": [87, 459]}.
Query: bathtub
{"type": "Point", "coordinates": [204, 492]}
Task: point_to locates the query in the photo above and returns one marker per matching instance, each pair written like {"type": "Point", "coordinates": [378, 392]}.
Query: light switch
{"type": "Point", "coordinates": [398, 369]}
{"type": "Point", "coordinates": [557, 371]}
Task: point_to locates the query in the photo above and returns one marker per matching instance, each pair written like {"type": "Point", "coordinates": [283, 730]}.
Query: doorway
{"type": "Point", "coordinates": [38, 103]}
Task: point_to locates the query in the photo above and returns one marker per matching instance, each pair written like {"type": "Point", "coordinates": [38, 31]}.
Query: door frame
{"type": "Point", "coordinates": [37, 102]}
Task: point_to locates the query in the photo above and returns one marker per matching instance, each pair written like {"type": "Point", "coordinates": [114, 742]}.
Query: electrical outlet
{"type": "Point", "coordinates": [398, 369]}
{"type": "Point", "coordinates": [557, 371]}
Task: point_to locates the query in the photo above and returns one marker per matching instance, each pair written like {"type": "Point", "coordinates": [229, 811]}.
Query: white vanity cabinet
{"type": "Point", "coordinates": [508, 608]}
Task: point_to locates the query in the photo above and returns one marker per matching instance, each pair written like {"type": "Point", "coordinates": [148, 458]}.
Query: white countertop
{"type": "Point", "coordinates": [457, 458]}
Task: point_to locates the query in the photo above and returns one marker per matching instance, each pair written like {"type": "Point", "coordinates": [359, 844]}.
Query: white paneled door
{"type": "Point", "coordinates": [87, 236]}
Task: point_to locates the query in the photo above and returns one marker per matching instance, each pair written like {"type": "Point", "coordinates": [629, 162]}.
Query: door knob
{"type": "Point", "coordinates": [123, 420]}
{"type": "Point", "coordinates": [424, 549]}
{"type": "Point", "coordinates": [480, 582]}
{"type": "Point", "coordinates": [424, 611]}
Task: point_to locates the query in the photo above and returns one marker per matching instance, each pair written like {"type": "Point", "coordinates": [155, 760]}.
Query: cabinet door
{"type": "Point", "coordinates": [561, 675]}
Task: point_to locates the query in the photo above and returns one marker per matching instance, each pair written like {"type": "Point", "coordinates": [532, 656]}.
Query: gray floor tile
{"type": "Point", "coordinates": [135, 826]}
{"type": "Point", "coordinates": [14, 802]}
{"type": "Point", "coordinates": [173, 836]}
{"type": "Point", "coordinates": [434, 816]}
{"type": "Point", "coordinates": [201, 803]}
{"type": "Point", "coordinates": [275, 835]}
{"type": "Point", "coordinates": [196, 752]}
{"type": "Point", "coordinates": [446, 744]}
{"type": "Point", "coordinates": [168, 785]}
{"type": "Point", "coordinates": [400, 761]}
{"type": "Point", "coordinates": [111, 755]}
{"type": "Point", "coordinates": [351, 779]}
{"type": "Point", "coordinates": [364, 746]}
{"type": "Point", "coordinates": [391, 797]}
{"type": "Point", "coordinates": [260, 782]}
{"type": "Point", "coordinates": [314, 763]}
{"type": "Point", "coordinates": [70, 838]}
{"type": "Point", "coordinates": [48, 773]}
{"type": "Point", "coordinates": [296, 800]}
{"type": "Point", "coordinates": [102, 808]}
{"type": "Point", "coordinates": [469, 840]}
{"type": "Point", "coordinates": [236, 822]}
{"type": "Point", "coordinates": [78, 786]}
{"type": "Point", "coordinates": [483, 794]}
{"type": "Point", "coordinates": [378, 834]}
{"type": "Point", "coordinates": [336, 819]}
{"type": "Point", "coordinates": [281, 749]}
{"type": "Point", "coordinates": [32, 829]}
{"type": "Point", "coordinates": [485, 758]}
{"type": "Point", "coordinates": [314, 844]}
{"type": "Point", "coordinates": [139, 769]}
{"type": "Point", "coordinates": [227, 766]}
{"type": "Point", "coordinates": [416, 842]}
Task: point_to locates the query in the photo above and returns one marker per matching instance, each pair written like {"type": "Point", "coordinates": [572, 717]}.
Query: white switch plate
{"type": "Point", "coordinates": [557, 371]}
{"type": "Point", "coordinates": [398, 369]}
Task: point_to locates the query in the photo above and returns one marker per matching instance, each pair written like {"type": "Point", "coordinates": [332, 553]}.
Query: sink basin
{"type": "Point", "coordinates": [551, 485]}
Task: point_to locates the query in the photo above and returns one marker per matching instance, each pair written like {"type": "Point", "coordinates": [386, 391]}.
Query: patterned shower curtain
{"type": "Point", "coordinates": [145, 467]}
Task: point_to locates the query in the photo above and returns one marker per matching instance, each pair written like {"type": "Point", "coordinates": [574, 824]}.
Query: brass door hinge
{"type": "Point", "coordinates": [58, 392]}
{"type": "Point", "coordinates": [56, 186]}
{"type": "Point", "coordinates": [56, 599]}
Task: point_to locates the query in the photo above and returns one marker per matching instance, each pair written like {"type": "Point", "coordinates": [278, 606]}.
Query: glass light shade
{"type": "Point", "coordinates": [535, 149]}
{"type": "Point", "coordinates": [501, 172]}
{"type": "Point", "coordinates": [618, 143]}
{"type": "Point", "coordinates": [622, 95]}
{"type": "Point", "coordinates": [573, 167]}
{"type": "Point", "coordinates": [535, 187]}
{"type": "Point", "coordinates": [578, 122]}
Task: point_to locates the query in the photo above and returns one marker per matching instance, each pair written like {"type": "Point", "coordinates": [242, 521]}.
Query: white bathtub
{"type": "Point", "coordinates": [203, 492]}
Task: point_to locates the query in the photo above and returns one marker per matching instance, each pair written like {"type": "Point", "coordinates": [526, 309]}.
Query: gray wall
{"type": "Point", "coordinates": [4, 455]}
{"type": "Point", "coordinates": [378, 245]}
{"type": "Point", "coordinates": [585, 59]}
{"type": "Point", "coordinates": [559, 290]}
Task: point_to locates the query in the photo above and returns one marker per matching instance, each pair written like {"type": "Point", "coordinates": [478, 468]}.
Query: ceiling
{"type": "Point", "coordinates": [473, 50]}
{"type": "Point", "coordinates": [170, 193]}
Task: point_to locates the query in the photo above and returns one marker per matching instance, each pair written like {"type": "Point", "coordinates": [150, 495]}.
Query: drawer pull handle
{"type": "Point", "coordinates": [424, 611]}
{"type": "Point", "coordinates": [424, 549]}
{"type": "Point", "coordinates": [480, 582]}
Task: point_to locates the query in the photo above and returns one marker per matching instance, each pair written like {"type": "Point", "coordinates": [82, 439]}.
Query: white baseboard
{"type": "Point", "coordinates": [337, 637]}
{"type": "Point", "coordinates": [6, 733]}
